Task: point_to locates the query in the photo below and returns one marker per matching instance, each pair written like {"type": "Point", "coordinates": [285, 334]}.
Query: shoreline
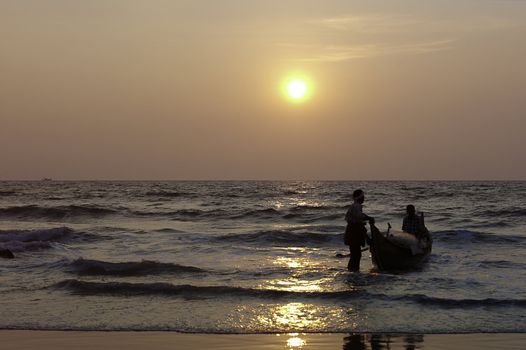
{"type": "Point", "coordinates": [306, 333]}
{"type": "Point", "coordinates": [160, 340]}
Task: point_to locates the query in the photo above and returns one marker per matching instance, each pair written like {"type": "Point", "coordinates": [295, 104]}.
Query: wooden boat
{"type": "Point", "coordinates": [388, 254]}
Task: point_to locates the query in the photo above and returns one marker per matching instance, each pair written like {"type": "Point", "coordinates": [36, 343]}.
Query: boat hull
{"type": "Point", "coordinates": [387, 255]}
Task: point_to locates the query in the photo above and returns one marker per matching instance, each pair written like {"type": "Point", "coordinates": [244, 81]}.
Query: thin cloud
{"type": "Point", "coordinates": [345, 53]}
{"type": "Point", "coordinates": [408, 35]}
{"type": "Point", "coordinates": [373, 23]}
{"type": "Point", "coordinates": [378, 23]}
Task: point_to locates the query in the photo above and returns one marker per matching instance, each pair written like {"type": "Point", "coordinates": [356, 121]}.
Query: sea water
{"type": "Point", "coordinates": [256, 257]}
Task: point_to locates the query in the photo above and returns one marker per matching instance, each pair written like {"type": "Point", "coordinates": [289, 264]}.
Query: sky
{"type": "Point", "coordinates": [192, 90]}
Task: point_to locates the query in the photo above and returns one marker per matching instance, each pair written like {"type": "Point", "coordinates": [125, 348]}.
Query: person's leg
{"type": "Point", "coordinates": [357, 258]}
{"type": "Point", "coordinates": [354, 260]}
{"type": "Point", "coordinates": [349, 264]}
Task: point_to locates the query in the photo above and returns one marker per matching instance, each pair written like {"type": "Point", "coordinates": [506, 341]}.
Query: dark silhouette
{"type": "Point", "coordinates": [412, 223]}
{"type": "Point", "coordinates": [355, 342]}
{"type": "Point", "coordinates": [391, 251]}
{"type": "Point", "coordinates": [356, 233]}
{"type": "Point", "coordinates": [7, 254]}
{"type": "Point", "coordinates": [358, 341]}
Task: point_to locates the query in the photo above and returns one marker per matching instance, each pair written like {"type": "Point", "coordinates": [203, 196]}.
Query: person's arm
{"type": "Point", "coordinates": [356, 213]}
{"type": "Point", "coordinates": [348, 215]}
{"type": "Point", "coordinates": [422, 223]}
{"type": "Point", "coordinates": [366, 217]}
{"type": "Point", "coordinates": [422, 228]}
{"type": "Point", "coordinates": [404, 225]}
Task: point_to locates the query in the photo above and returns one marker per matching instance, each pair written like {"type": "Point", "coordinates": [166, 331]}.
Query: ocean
{"type": "Point", "coordinates": [256, 257]}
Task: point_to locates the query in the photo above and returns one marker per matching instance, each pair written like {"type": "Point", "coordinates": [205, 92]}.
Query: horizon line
{"type": "Point", "coordinates": [260, 180]}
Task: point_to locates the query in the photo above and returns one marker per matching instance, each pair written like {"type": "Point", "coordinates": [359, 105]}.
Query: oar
{"type": "Point", "coordinates": [340, 255]}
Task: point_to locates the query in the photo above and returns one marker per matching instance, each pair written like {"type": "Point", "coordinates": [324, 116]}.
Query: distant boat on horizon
{"type": "Point", "coordinates": [46, 179]}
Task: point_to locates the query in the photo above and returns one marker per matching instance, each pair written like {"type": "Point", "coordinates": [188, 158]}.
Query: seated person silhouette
{"type": "Point", "coordinates": [414, 224]}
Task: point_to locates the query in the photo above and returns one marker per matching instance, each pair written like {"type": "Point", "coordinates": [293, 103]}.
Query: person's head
{"type": "Point", "coordinates": [410, 209]}
{"type": "Point", "coordinates": [358, 196]}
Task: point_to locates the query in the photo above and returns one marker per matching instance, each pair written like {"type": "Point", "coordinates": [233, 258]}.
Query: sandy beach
{"type": "Point", "coordinates": [57, 340]}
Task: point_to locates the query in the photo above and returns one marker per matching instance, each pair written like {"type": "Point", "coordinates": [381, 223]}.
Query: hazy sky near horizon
{"type": "Point", "coordinates": [159, 89]}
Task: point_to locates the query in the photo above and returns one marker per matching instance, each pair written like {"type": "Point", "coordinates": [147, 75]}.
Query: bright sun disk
{"type": "Point", "coordinates": [296, 89]}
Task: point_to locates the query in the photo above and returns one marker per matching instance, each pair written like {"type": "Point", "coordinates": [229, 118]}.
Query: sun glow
{"type": "Point", "coordinates": [297, 88]}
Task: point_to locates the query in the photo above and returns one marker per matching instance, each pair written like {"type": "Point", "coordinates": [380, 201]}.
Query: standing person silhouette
{"type": "Point", "coordinates": [356, 233]}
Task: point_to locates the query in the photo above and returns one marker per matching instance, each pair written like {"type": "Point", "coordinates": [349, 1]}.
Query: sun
{"type": "Point", "coordinates": [297, 88]}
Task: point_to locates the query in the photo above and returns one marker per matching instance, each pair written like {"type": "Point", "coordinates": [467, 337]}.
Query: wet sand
{"type": "Point", "coordinates": [57, 340]}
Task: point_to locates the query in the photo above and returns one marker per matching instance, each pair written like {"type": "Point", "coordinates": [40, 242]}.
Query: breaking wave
{"type": "Point", "coordinates": [304, 214]}
{"type": "Point", "coordinates": [19, 247]}
{"type": "Point", "coordinates": [461, 303]}
{"type": "Point", "coordinates": [282, 237]}
{"type": "Point", "coordinates": [140, 268]}
{"type": "Point", "coordinates": [257, 213]}
{"type": "Point", "coordinates": [501, 264]}
{"type": "Point", "coordinates": [45, 235]}
{"type": "Point", "coordinates": [182, 214]}
{"type": "Point", "coordinates": [190, 291]}
{"type": "Point", "coordinates": [299, 213]}
{"type": "Point", "coordinates": [30, 240]}
{"type": "Point", "coordinates": [169, 194]}
{"type": "Point", "coordinates": [466, 236]}
{"type": "Point", "coordinates": [55, 213]}
{"type": "Point", "coordinates": [186, 291]}
{"type": "Point", "coordinates": [7, 193]}
{"type": "Point", "coordinates": [505, 212]}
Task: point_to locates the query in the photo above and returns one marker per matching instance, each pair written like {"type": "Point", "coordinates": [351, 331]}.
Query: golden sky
{"type": "Point", "coordinates": [159, 89]}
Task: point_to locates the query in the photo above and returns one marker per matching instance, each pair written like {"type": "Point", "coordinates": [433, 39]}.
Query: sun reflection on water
{"type": "Point", "coordinates": [292, 263]}
{"type": "Point", "coordinates": [295, 341]}
{"type": "Point", "coordinates": [294, 316]}
{"type": "Point", "coordinates": [295, 283]}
